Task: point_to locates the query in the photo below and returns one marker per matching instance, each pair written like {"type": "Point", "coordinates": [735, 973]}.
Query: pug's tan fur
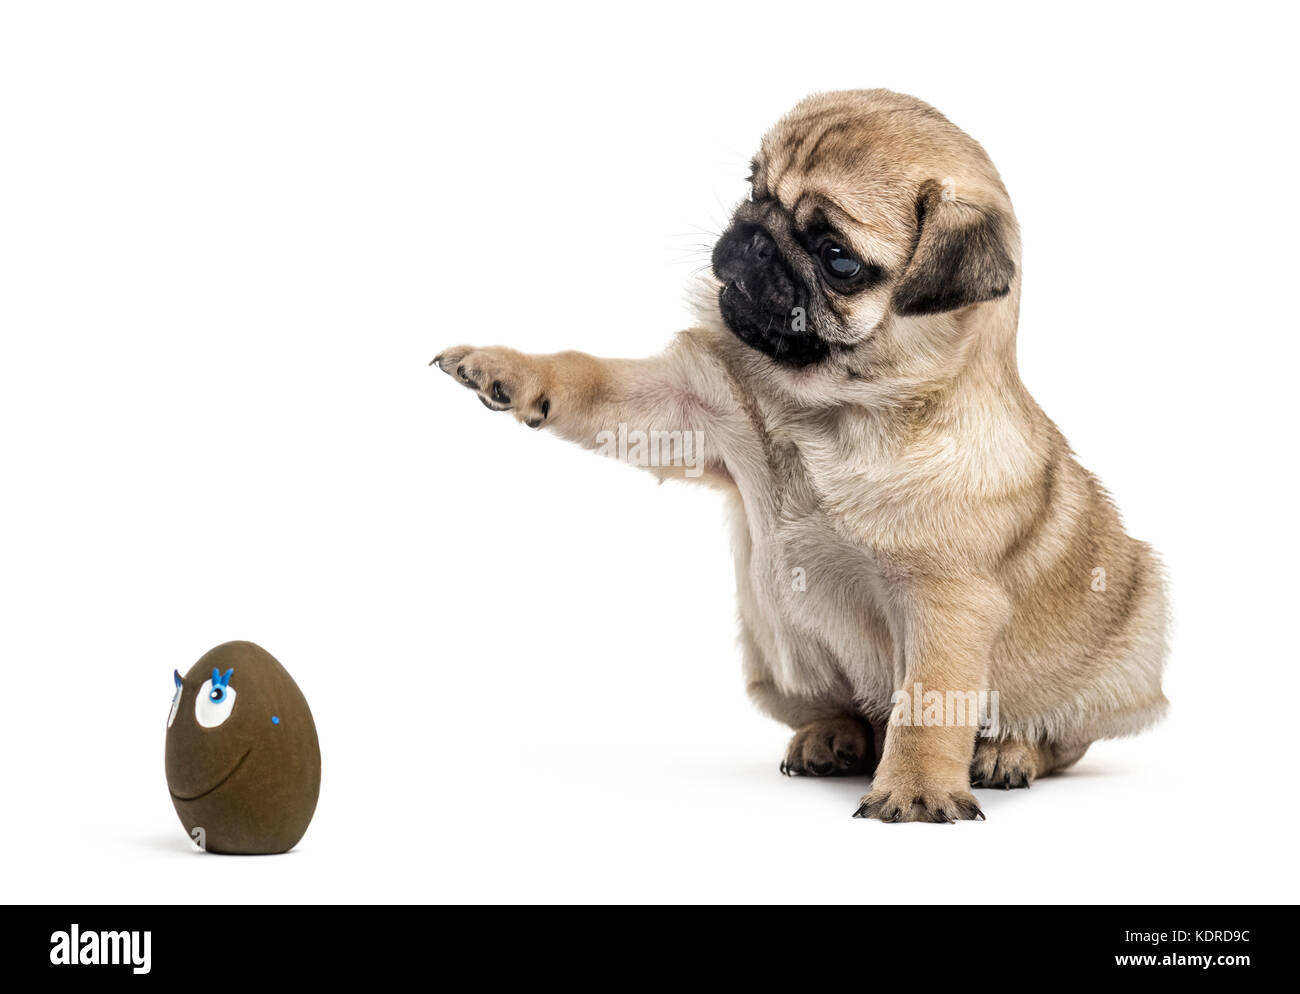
{"type": "Point", "coordinates": [941, 530]}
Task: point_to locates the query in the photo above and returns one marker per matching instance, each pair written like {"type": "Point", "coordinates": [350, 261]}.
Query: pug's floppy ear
{"type": "Point", "coordinates": [962, 255]}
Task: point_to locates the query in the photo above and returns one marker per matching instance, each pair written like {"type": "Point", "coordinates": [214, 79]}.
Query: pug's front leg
{"type": "Point", "coordinates": [924, 772]}
{"type": "Point", "coordinates": [506, 380]}
{"type": "Point", "coordinates": [680, 401]}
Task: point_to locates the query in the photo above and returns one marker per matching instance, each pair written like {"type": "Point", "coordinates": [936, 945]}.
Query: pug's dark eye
{"type": "Point", "coordinates": [837, 261]}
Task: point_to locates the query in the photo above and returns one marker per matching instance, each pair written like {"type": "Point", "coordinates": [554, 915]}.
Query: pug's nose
{"type": "Point", "coordinates": [760, 246]}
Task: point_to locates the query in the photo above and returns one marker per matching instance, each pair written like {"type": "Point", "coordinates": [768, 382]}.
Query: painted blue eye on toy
{"type": "Point", "coordinates": [176, 698]}
{"type": "Point", "coordinates": [215, 700]}
{"type": "Point", "coordinates": [218, 681]}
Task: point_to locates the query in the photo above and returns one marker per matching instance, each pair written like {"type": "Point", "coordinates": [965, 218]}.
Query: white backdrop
{"type": "Point", "coordinates": [233, 235]}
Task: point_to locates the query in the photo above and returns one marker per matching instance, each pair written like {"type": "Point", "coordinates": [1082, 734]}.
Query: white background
{"type": "Point", "coordinates": [233, 235]}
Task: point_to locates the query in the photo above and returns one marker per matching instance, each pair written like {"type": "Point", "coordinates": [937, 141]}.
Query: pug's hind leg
{"type": "Point", "coordinates": [1011, 763]}
{"type": "Point", "coordinates": [830, 747]}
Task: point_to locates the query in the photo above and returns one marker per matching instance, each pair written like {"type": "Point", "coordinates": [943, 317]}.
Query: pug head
{"type": "Point", "coordinates": [867, 208]}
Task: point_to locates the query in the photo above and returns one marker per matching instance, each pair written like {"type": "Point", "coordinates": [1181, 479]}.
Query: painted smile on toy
{"type": "Point", "coordinates": [205, 793]}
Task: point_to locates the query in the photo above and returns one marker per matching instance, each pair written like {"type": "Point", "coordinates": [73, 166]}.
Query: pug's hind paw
{"type": "Point", "coordinates": [829, 747]}
{"type": "Point", "coordinates": [1006, 765]}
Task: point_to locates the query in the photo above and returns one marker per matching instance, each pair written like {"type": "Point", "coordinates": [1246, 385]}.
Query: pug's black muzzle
{"type": "Point", "coordinates": [762, 300]}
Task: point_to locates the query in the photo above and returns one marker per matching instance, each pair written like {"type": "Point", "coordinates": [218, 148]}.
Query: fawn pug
{"type": "Point", "coordinates": [852, 387]}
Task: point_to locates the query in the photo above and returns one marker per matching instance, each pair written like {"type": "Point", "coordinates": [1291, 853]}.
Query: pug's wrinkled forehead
{"type": "Point", "coordinates": [863, 158]}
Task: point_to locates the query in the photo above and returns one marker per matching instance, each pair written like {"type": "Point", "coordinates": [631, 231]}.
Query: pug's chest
{"type": "Point", "coordinates": [823, 573]}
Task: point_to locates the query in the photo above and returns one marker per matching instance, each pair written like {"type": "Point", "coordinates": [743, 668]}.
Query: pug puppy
{"type": "Point", "coordinates": [914, 538]}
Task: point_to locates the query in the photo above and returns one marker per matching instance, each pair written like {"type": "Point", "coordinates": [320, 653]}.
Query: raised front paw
{"type": "Point", "coordinates": [505, 380]}
{"type": "Point", "coordinates": [918, 803]}
{"type": "Point", "coordinates": [830, 747]}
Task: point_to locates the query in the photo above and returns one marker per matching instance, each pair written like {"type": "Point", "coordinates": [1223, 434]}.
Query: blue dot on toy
{"type": "Point", "coordinates": [275, 719]}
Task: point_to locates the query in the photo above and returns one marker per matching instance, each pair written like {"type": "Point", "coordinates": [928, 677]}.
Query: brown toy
{"type": "Point", "coordinates": [243, 761]}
